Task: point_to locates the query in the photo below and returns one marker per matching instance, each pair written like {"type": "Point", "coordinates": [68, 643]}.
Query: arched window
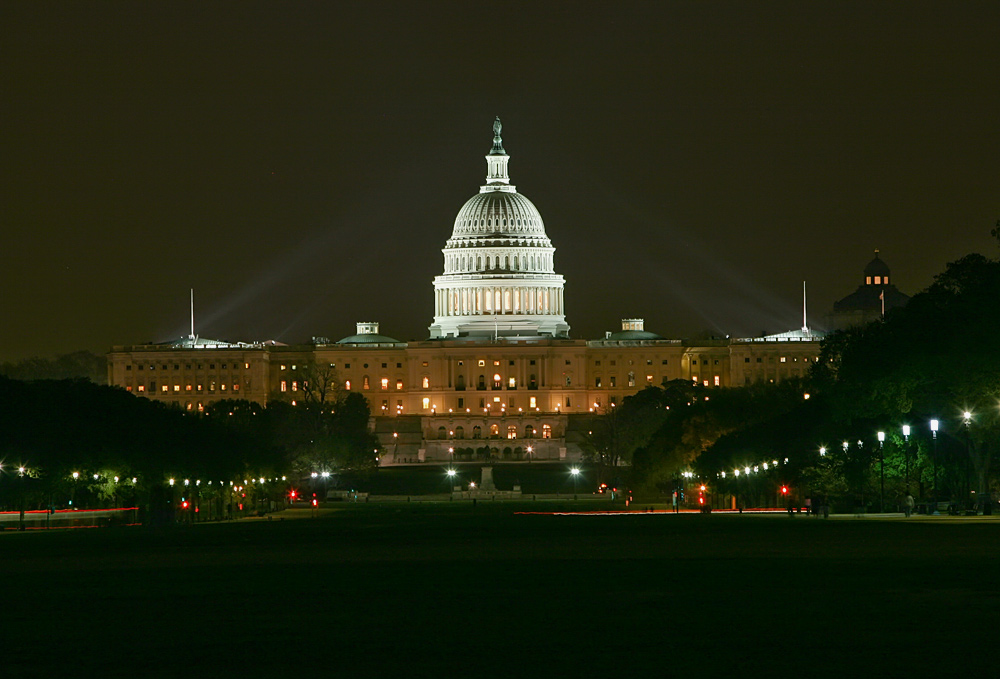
{"type": "Point", "coordinates": [364, 382]}
{"type": "Point", "coordinates": [347, 385]}
{"type": "Point", "coordinates": [487, 262]}
{"type": "Point", "coordinates": [426, 382]}
{"type": "Point", "coordinates": [479, 263]}
{"type": "Point", "coordinates": [460, 432]}
{"type": "Point", "coordinates": [477, 432]}
{"type": "Point", "coordinates": [512, 431]}
{"type": "Point", "coordinates": [460, 383]}
{"type": "Point", "coordinates": [494, 431]}
{"type": "Point", "coordinates": [497, 382]}
{"type": "Point", "coordinates": [385, 383]}
{"type": "Point", "coordinates": [546, 431]}
{"type": "Point", "coordinates": [442, 433]}
{"type": "Point", "coordinates": [529, 432]}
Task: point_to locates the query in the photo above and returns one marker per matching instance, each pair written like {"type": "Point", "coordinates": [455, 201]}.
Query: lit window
{"type": "Point", "coordinates": [512, 383]}
{"type": "Point", "coordinates": [142, 387]}
{"type": "Point", "coordinates": [295, 385]}
{"type": "Point", "coordinates": [164, 388]}
{"type": "Point", "coordinates": [427, 403]}
{"type": "Point", "coordinates": [246, 366]}
{"type": "Point", "coordinates": [782, 359]}
{"type": "Point", "coordinates": [497, 382]}
{"type": "Point", "coordinates": [532, 402]}
{"type": "Point", "coordinates": [496, 399]}
{"type": "Point", "coordinates": [496, 362]}
{"type": "Point", "coordinates": [201, 407]}
{"type": "Point", "coordinates": [612, 382]}
{"type": "Point", "coordinates": [177, 387]}
{"type": "Point", "coordinates": [385, 383]}
{"type": "Point", "coordinates": [547, 430]}
{"type": "Point", "coordinates": [631, 379]}
{"type": "Point", "coordinates": [399, 385]}
{"type": "Point", "coordinates": [223, 386]}
{"type": "Point", "coordinates": [347, 385]}
{"type": "Point", "coordinates": [481, 363]}
{"type": "Point", "coordinates": [495, 431]}
{"type": "Point", "coordinates": [649, 379]}
{"type": "Point", "coordinates": [200, 387]}
{"type": "Point", "coordinates": [426, 383]}
{"type": "Point", "coordinates": [284, 367]}
{"type": "Point", "coordinates": [868, 280]}
{"type": "Point", "coordinates": [694, 378]}
{"type": "Point", "coordinates": [188, 405]}
{"type": "Point", "coordinates": [717, 381]}
{"type": "Point", "coordinates": [284, 385]}
{"type": "Point", "coordinates": [236, 387]}
{"type": "Point", "coordinates": [364, 383]}
{"type": "Point", "coordinates": [129, 388]}
{"type": "Point", "coordinates": [511, 431]}
{"type": "Point", "coordinates": [706, 383]}
{"type": "Point", "coordinates": [878, 280]}
{"type": "Point", "coordinates": [187, 388]}
{"type": "Point", "coordinates": [597, 382]}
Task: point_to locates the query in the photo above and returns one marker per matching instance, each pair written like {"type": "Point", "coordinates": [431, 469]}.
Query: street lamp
{"type": "Point", "coordinates": [881, 473]}
{"type": "Point", "coordinates": [906, 454]}
{"type": "Point", "coordinates": [934, 431]}
{"type": "Point", "coordinates": [575, 473]}
{"type": "Point", "coordinates": [967, 420]}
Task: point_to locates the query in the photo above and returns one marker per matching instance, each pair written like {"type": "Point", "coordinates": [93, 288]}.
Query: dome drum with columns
{"type": "Point", "coordinates": [498, 275]}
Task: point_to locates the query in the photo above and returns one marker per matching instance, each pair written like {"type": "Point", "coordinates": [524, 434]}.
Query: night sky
{"type": "Point", "coordinates": [301, 164]}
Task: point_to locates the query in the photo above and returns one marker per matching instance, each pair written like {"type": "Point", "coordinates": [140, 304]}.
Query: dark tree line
{"type": "Point", "coordinates": [937, 358]}
{"type": "Point", "coordinates": [55, 429]}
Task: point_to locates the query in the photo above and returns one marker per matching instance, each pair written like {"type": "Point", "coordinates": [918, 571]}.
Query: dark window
{"type": "Point", "coordinates": [746, 360]}
{"type": "Point", "coordinates": [664, 361]}
{"type": "Point", "coordinates": [531, 362]}
{"type": "Point", "coordinates": [385, 365]}
{"type": "Point", "coordinates": [461, 403]}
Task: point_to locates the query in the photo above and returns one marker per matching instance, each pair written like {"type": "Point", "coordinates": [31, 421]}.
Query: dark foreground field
{"type": "Point", "coordinates": [422, 590]}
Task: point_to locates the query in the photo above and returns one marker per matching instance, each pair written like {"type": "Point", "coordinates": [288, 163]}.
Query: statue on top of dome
{"type": "Point", "coordinates": [497, 141]}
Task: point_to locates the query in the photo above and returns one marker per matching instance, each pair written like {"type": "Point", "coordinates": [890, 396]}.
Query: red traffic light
{"type": "Point", "coordinates": [315, 502]}
{"type": "Point", "coordinates": [292, 494]}
{"type": "Point", "coordinates": [184, 504]}
{"type": "Point", "coordinates": [784, 490]}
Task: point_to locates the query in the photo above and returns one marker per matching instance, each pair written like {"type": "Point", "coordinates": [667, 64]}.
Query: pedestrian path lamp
{"type": "Point", "coordinates": [906, 454]}
{"type": "Point", "coordinates": [934, 431]}
{"type": "Point", "coordinates": [881, 472]}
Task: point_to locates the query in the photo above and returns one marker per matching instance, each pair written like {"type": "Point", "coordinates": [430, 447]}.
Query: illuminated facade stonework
{"type": "Point", "coordinates": [498, 374]}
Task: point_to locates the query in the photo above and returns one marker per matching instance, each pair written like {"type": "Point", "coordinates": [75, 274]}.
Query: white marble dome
{"type": "Point", "coordinates": [498, 265]}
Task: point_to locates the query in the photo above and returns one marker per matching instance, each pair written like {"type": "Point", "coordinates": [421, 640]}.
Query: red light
{"type": "Point", "coordinates": [315, 502]}
{"type": "Point", "coordinates": [292, 493]}
{"type": "Point", "coordinates": [701, 500]}
{"type": "Point", "coordinates": [784, 490]}
{"type": "Point", "coordinates": [184, 504]}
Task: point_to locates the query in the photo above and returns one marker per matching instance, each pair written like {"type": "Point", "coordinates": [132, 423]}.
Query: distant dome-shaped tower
{"type": "Point", "coordinates": [498, 265]}
{"type": "Point", "coordinates": [873, 298]}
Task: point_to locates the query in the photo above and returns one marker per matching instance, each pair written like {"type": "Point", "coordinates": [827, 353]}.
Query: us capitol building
{"type": "Point", "coordinates": [499, 369]}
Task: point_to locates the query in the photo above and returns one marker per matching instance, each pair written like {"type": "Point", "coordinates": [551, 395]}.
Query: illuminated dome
{"type": "Point", "coordinates": [498, 265]}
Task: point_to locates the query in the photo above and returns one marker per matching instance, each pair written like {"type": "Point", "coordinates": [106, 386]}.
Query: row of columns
{"type": "Point", "coordinates": [499, 300]}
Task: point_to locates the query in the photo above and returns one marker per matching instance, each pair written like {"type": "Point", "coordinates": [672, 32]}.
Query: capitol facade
{"type": "Point", "coordinates": [498, 377]}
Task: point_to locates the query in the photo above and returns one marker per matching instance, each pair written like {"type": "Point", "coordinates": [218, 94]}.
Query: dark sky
{"type": "Point", "coordinates": [301, 164]}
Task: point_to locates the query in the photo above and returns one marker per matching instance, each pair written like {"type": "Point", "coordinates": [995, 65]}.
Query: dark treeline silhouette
{"type": "Point", "coordinates": [57, 428]}
{"type": "Point", "coordinates": [79, 364]}
{"type": "Point", "coordinates": [938, 358]}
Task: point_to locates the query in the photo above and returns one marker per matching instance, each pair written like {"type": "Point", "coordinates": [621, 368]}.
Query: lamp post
{"type": "Point", "coordinates": [906, 454]}
{"type": "Point", "coordinates": [881, 473]}
{"type": "Point", "coordinates": [967, 420]}
{"type": "Point", "coordinates": [21, 471]}
{"type": "Point", "coordinates": [934, 431]}
{"type": "Point", "coordinates": [575, 473]}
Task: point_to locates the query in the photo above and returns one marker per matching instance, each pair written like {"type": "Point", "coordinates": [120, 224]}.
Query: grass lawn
{"type": "Point", "coordinates": [448, 590]}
